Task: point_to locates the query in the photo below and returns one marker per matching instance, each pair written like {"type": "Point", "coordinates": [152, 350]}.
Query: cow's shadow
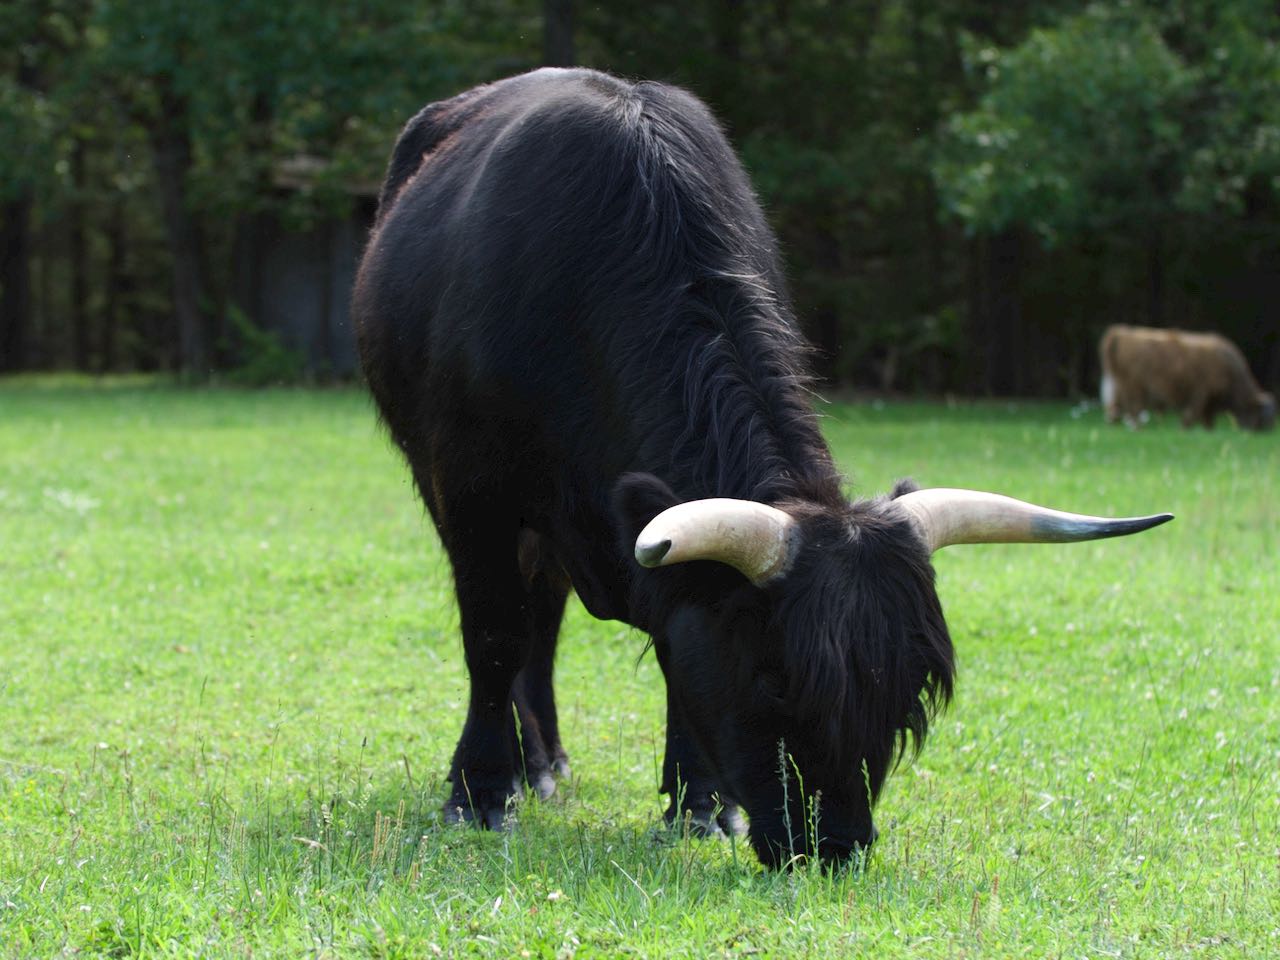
{"type": "Point", "coordinates": [394, 831]}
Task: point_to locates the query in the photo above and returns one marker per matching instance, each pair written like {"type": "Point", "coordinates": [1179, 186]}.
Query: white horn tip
{"type": "Point", "coordinates": [651, 553]}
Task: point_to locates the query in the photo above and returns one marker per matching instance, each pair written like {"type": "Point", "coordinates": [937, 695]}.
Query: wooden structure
{"type": "Point", "coordinates": [296, 283]}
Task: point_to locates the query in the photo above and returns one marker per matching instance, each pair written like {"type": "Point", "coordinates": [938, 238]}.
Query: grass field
{"type": "Point", "coordinates": [230, 683]}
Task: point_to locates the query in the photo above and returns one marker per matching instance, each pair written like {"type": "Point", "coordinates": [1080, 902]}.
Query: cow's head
{"type": "Point", "coordinates": [1261, 415]}
{"type": "Point", "coordinates": [805, 644]}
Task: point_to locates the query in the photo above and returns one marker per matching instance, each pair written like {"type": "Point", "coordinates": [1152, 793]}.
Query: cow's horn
{"type": "Point", "coordinates": [754, 538]}
{"type": "Point", "coordinates": [945, 517]}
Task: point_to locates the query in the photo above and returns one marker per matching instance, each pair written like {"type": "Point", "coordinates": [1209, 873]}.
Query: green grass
{"type": "Point", "coordinates": [230, 682]}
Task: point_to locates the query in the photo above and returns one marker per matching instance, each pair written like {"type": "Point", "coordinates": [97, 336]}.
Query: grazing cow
{"type": "Point", "coordinates": [1200, 375]}
{"type": "Point", "coordinates": [573, 319]}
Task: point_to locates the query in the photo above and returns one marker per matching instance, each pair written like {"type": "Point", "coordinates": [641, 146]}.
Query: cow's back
{"type": "Point", "coordinates": [1154, 367]}
{"type": "Point", "coordinates": [539, 242]}
{"type": "Point", "coordinates": [572, 273]}
{"type": "Point", "coordinates": [476, 229]}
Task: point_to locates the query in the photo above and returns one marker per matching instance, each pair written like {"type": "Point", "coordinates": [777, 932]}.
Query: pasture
{"type": "Point", "coordinates": [230, 682]}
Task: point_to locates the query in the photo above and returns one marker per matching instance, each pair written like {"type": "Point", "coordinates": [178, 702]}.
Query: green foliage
{"type": "Point", "coordinates": [1237, 141]}
{"type": "Point", "coordinates": [262, 82]}
{"type": "Point", "coordinates": [232, 681]}
{"type": "Point", "coordinates": [1126, 159]}
{"type": "Point", "coordinates": [27, 130]}
{"type": "Point", "coordinates": [39, 61]}
{"type": "Point", "coordinates": [1080, 128]}
{"type": "Point", "coordinates": [265, 359]}
{"type": "Point", "coordinates": [1115, 118]}
{"type": "Point", "coordinates": [1138, 142]}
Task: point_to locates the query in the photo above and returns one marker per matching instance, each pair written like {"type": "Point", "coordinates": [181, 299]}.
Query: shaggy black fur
{"type": "Point", "coordinates": [571, 314]}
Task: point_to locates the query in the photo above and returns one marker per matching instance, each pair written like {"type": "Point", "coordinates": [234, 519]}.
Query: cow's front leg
{"type": "Point", "coordinates": [484, 775]}
{"type": "Point", "coordinates": [511, 601]}
{"type": "Point", "coordinates": [694, 798]}
{"type": "Point", "coordinates": [542, 757]}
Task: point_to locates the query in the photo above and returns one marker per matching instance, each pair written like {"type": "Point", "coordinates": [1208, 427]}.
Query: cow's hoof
{"type": "Point", "coordinates": [488, 811]}
{"type": "Point", "coordinates": [715, 821]}
{"type": "Point", "coordinates": [544, 785]}
{"type": "Point", "coordinates": [731, 822]}
{"type": "Point", "coordinates": [541, 777]}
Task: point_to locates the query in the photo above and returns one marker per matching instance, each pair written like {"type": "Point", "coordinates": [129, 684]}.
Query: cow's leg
{"type": "Point", "coordinates": [540, 752]}
{"type": "Point", "coordinates": [1199, 410]}
{"type": "Point", "coordinates": [480, 534]}
{"type": "Point", "coordinates": [1108, 395]}
{"type": "Point", "coordinates": [1209, 411]}
{"type": "Point", "coordinates": [694, 796]}
{"type": "Point", "coordinates": [511, 596]}
{"type": "Point", "coordinates": [496, 643]}
{"type": "Point", "coordinates": [1128, 406]}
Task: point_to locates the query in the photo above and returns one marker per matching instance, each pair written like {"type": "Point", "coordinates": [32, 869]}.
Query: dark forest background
{"type": "Point", "coordinates": [967, 192]}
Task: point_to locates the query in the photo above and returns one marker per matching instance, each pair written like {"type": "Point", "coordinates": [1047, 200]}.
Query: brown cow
{"type": "Point", "coordinates": [1197, 374]}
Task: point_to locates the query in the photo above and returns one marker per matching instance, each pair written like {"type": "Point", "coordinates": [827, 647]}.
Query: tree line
{"type": "Point", "coordinates": [967, 191]}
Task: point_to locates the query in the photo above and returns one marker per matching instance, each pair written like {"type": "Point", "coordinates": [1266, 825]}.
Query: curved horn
{"type": "Point", "coordinates": [945, 517]}
{"type": "Point", "coordinates": [754, 538]}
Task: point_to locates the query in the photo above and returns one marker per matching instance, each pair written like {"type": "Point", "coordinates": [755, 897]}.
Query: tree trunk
{"type": "Point", "coordinates": [15, 282]}
{"type": "Point", "coordinates": [252, 233]}
{"type": "Point", "coordinates": [117, 286]}
{"type": "Point", "coordinates": [171, 143]}
{"type": "Point", "coordinates": [1262, 216]}
{"type": "Point", "coordinates": [557, 33]}
{"type": "Point", "coordinates": [726, 26]}
{"type": "Point", "coordinates": [978, 378]}
{"type": "Point", "coordinates": [78, 251]}
{"type": "Point", "coordinates": [1004, 342]}
{"type": "Point", "coordinates": [1155, 277]}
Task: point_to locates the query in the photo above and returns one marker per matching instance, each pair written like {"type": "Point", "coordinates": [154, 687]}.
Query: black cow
{"type": "Point", "coordinates": [572, 316]}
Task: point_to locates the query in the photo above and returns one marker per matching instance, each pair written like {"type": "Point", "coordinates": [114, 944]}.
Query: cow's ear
{"type": "Point", "coordinates": [905, 485]}
{"type": "Point", "coordinates": [637, 499]}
